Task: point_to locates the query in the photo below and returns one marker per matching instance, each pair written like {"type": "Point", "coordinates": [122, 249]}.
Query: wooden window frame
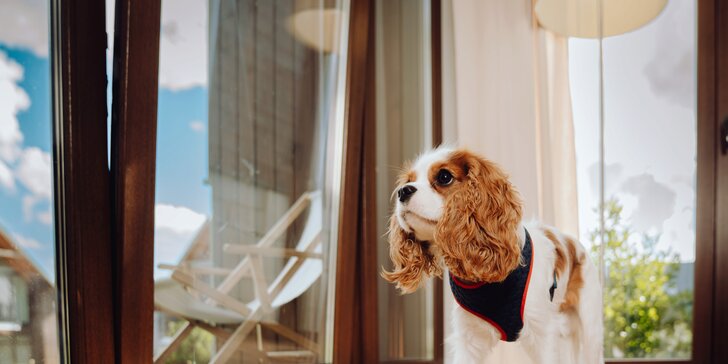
{"type": "Point", "coordinates": [104, 220]}
{"type": "Point", "coordinates": [355, 325]}
{"type": "Point", "coordinates": [81, 182]}
{"type": "Point", "coordinates": [133, 166]}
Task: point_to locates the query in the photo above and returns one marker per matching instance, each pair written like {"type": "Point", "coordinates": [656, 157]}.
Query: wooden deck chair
{"type": "Point", "coordinates": [181, 295]}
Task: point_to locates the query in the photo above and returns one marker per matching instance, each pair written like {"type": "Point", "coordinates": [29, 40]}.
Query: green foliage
{"type": "Point", "coordinates": [644, 314]}
{"type": "Point", "coordinates": [196, 348]}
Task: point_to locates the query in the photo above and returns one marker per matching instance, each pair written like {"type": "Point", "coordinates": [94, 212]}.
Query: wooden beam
{"type": "Point", "coordinates": [133, 163]}
{"type": "Point", "coordinates": [705, 186]}
{"type": "Point", "coordinates": [81, 181]}
{"type": "Point", "coordinates": [720, 318]}
{"type": "Point", "coordinates": [355, 326]}
{"type": "Point", "coordinates": [436, 49]}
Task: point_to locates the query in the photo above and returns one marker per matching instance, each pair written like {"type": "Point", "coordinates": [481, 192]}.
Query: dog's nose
{"type": "Point", "coordinates": [405, 193]}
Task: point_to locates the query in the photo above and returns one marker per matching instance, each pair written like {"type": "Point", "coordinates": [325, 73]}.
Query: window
{"type": "Point", "coordinates": [649, 184]}
{"type": "Point", "coordinates": [247, 132]}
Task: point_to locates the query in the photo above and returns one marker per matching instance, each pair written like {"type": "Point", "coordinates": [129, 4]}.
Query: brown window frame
{"type": "Point", "coordinates": [104, 219]}
{"type": "Point", "coordinates": [133, 167]}
{"type": "Point", "coordinates": [81, 182]}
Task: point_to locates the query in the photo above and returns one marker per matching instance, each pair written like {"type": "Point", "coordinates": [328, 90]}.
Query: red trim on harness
{"type": "Point", "coordinates": [528, 280]}
{"type": "Point", "coordinates": [504, 337]}
{"type": "Point", "coordinates": [462, 284]}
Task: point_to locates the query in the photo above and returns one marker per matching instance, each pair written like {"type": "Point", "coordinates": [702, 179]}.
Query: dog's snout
{"type": "Point", "coordinates": [406, 192]}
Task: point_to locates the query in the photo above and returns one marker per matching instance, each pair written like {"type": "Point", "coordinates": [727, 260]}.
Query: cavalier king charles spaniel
{"type": "Point", "coordinates": [513, 281]}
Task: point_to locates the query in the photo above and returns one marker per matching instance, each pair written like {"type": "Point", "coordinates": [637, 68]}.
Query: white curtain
{"type": "Point", "coordinates": [506, 95]}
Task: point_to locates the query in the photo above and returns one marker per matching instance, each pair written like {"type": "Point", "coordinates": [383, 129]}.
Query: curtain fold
{"type": "Point", "coordinates": [509, 99]}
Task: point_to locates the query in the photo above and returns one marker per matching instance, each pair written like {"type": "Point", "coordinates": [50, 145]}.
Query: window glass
{"type": "Point", "coordinates": [248, 124]}
{"type": "Point", "coordinates": [28, 327]}
{"type": "Point", "coordinates": [649, 169]}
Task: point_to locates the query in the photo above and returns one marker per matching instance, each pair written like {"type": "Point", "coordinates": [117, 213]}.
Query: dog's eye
{"type": "Point", "coordinates": [444, 177]}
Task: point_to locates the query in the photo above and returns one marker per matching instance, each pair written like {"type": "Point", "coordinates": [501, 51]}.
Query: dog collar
{"type": "Point", "coordinates": [500, 303]}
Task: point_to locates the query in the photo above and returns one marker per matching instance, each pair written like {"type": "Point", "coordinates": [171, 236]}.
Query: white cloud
{"type": "Point", "coordinates": [655, 202]}
{"type": "Point", "coordinates": [24, 23]}
{"type": "Point", "coordinates": [183, 44]}
{"type": "Point", "coordinates": [175, 227]}
{"type": "Point", "coordinates": [46, 217]}
{"type": "Point", "coordinates": [29, 203]}
{"type": "Point", "coordinates": [169, 247]}
{"type": "Point", "coordinates": [6, 177]}
{"type": "Point", "coordinates": [197, 126]}
{"type": "Point", "coordinates": [177, 219]}
{"type": "Point", "coordinates": [34, 171]}
{"type": "Point", "coordinates": [670, 72]}
{"type": "Point", "coordinates": [12, 100]}
{"type": "Point", "coordinates": [25, 242]}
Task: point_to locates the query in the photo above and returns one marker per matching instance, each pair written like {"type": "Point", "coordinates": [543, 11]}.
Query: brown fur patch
{"type": "Point", "coordinates": [560, 263]}
{"type": "Point", "coordinates": [576, 280]}
{"type": "Point", "coordinates": [477, 233]}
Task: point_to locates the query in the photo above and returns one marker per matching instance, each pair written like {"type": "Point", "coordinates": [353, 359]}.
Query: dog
{"type": "Point", "coordinates": [513, 281]}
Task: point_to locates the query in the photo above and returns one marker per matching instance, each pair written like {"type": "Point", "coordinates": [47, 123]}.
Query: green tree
{"type": "Point", "coordinates": [195, 348]}
{"type": "Point", "coordinates": [644, 314]}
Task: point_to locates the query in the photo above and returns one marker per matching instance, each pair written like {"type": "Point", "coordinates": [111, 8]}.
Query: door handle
{"type": "Point", "coordinates": [724, 136]}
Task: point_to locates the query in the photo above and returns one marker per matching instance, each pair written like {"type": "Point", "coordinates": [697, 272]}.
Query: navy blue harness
{"type": "Point", "coordinates": [500, 303]}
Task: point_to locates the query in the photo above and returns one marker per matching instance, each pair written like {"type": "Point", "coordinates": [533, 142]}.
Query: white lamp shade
{"type": "Point", "coordinates": [580, 18]}
{"type": "Point", "coordinates": [317, 28]}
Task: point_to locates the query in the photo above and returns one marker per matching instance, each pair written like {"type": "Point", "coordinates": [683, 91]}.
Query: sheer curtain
{"type": "Point", "coordinates": [506, 95]}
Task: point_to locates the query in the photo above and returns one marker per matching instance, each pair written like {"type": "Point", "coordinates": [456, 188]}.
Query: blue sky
{"type": "Point", "coordinates": [28, 226]}
{"type": "Point", "coordinates": [182, 149]}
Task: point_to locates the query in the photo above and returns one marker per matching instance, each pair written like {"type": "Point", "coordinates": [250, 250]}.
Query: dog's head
{"type": "Point", "coordinates": [456, 208]}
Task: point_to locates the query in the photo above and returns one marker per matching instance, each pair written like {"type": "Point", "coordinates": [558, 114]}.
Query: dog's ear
{"type": "Point", "coordinates": [477, 233]}
{"type": "Point", "coordinates": [413, 262]}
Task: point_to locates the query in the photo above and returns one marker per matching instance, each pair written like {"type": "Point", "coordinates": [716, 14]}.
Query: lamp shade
{"type": "Point", "coordinates": [317, 28]}
{"type": "Point", "coordinates": [580, 18]}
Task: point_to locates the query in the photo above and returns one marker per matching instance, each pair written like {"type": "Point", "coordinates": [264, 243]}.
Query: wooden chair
{"type": "Point", "coordinates": [212, 308]}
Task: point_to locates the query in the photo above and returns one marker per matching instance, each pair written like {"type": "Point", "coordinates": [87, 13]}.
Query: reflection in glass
{"type": "Point", "coordinates": [28, 327]}
{"type": "Point", "coordinates": [245, 145]}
